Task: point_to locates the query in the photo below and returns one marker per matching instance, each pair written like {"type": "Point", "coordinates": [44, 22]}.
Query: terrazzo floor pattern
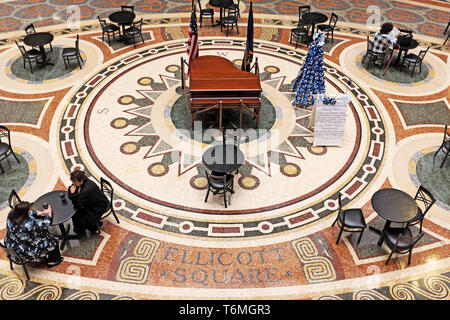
{"type": "Point", "coordinates": [112, 118]}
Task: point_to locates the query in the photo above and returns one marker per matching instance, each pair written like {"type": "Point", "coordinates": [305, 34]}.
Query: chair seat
{"type": "Point", "coordinates": [4, 147]}
{"type": "Point", "coordinates": [354, 218]}
{"type": "Point", "coordinates": [69, 52]}
{"type": "Point", "coordinates": [299, 31]}
{"type": "Point", "coordinates": [33, 53]}
{"type": "Point", "coordinates": [324, 27]}
{"type": "Point", "coordinates": [229, 20]}
{"type": "Point", "coordinates": [411, 57]}
{"type": "Point", "coordinates": [391, 235]}
{"type": "Point", "coordinates": [132, 30]}
{"type": "Point", "coordinates": [207, 12]}
{"type": "Point", "coordinates": [111, 28]}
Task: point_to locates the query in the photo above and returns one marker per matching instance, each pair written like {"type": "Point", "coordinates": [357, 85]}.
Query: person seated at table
{"type": "Point", "coordinates": [27, 234]}
{"type": "Point", "coordinates": [89, 202]}
{"type": "Point", "coordinates": [382, 41]}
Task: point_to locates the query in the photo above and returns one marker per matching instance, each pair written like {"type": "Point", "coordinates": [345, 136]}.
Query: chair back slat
{"type": "Point", "coordinates": [127, 8]}
{"type": "Point", "coordinates": [22, 49]}
{"type": "Point", "coordinates": [13, 199]}
{"type": "Point", "coordinates": [30, 29]}
{"type": "Point", "coordinates": [103, 23]}
{"type": "Point", "coordinates": [424, 198]}
{"type": "Point", "coordinates": [333, 20]}
{"type": "Point", "coordinates": [302, 10]}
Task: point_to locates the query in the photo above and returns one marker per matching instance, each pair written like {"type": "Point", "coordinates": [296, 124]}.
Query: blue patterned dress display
{"type": "Point", "coordinates": [310, 79]}
{"type": "Point", "coordinates": [31, 239]}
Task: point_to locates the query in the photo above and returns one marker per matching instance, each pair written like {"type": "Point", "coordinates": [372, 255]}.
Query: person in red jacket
{"type": "Point", "coordinates": [89, 202]}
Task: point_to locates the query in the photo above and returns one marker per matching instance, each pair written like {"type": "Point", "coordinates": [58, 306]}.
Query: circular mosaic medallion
{"type": "Point", "coordinates": [248, 183]}
{"type": "Point", "coordinates": [158, 169]}
{"type": "Point", "coordinates": [290, 169]}
{"type": "Point", "coordinates": [151, 144]}
{"type": "Point", "coordinates": [199, 182]}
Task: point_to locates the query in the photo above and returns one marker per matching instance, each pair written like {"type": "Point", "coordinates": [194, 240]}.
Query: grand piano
{"type": "Point", "coordinates": [216, 84]}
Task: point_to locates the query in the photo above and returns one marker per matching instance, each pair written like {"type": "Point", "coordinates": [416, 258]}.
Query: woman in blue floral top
{"type": "Point", "coordinates": [27, 234]}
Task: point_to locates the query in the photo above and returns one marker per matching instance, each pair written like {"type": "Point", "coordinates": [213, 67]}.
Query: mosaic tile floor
{"type": "Point", "coordinates": [117, 118]}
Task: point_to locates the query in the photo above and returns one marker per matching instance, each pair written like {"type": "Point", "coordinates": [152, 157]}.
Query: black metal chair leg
{"type": "Point", "coordinates": [360, 236]}
{"type": "Point", "coordinates": [445, 158]}
{"type": "Point", "coordinates": [115, 216]}
{"type": "Point", "coordinates": [409, 257]}
{"type": "Point", "coordinates": [79, 63]}
{"type": "Point", "coordinates": [339, 236]}
{"type": "Point", "coordinates": [334, 222]}
{"type": "Point", "coordinates": [207, 195]}
{"type": "Point", "coordinates": [389, 258]}
{"type": "Point", "coordinates": [225, 197]}
{"type": "Point", "coordinates": [26, 271]}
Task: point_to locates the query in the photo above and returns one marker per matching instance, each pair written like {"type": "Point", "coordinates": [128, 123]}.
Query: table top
{"type": "Point", "coordinates": [38, 39]}
{"type": "Point", "coordinates": [217, 160]}
{"type": "Point", "coordinates": [412, 45]}
{"type": "Point", "coordinates": [122, 17]}
{"type": "Point", "coordinates": [62, 211]}
{"type": "Point", "coordinates": [394, 205]}
{"type": "Point", "coordinates": [220, 3]}
{"type": "Point", "coordinates": [315, 17]}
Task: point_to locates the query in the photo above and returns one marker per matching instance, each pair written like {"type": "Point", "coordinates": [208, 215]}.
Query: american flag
{"type": "Point", "coordinates": [192, 44]}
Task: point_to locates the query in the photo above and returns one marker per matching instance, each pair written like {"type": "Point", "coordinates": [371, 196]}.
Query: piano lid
{"type": "Point", "coordinates": [218, 73]}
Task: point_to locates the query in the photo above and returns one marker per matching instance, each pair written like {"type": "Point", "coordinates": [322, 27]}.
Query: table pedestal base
{"type": "Point", "coordinates": [66, 236]}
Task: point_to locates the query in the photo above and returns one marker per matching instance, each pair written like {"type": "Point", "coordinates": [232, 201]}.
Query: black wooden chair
{"type": "Point", "coordinates": [300, 32]}
{"type": "Point", "coordinates": [400, 240]}
{"type": "Point", "coordinates": [230, 20]}
{"type": "Point", "coordinates": [30, 56]}
{"type": "Point", "coordinates": [235, 5]}
{"type": "Point", "coordinates": [5, 146]}
{"type": "Point", "coordinates": [445, 31]}
{"type": "Point", "coordinates": [220, 184]}
{"type": "Point", "coordinates": [127, 8]}
{"type": "Point", "coordinates": [424, 200]}
{"type": "Point", "coordinates": [13, 199]}
{"type": "Point", "coordinates": [108, 190]}
{"type": "Point", "coordinates": [208, 12]}
{"type": "Point", "coordinates": [302, 10]}
{"type": "Point", "coordinates": [351, 220]}
{"type": "Point", "coordinates": [134, 32]}
{"type": "Point", "coordinates": [445, 147]}
{"type": "Point", "coordinates": [69, 53]}
{"type": "Point", "coordinates": [108, 28]}
{"type": "Point", "coordinates": [29, 29]}
{"type": "Point", "coordinates": [327, 28]}
{"type": "Point", "coordinates": [373, 56]}
{"type": "Point", "coordinates": [414, 59]}
{"type": "Point", "coordinates": [14, 258]}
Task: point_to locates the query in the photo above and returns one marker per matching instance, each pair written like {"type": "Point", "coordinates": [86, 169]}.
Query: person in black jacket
{"type": "Point", "coordinates": [89, 202]}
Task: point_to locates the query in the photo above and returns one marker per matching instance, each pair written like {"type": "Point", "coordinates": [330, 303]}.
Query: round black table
{"type": "Point", "coordinates": [404, 49]}
{"type": "Point", "coordinates": [394, 206]}
{"type": "Point", "coordinates": [220, 4]}
{"type": "Point", "coordinates": [223, 158]}
{"type": "Point", "coordinates": [122, 18]}
{"type": "Point", "coordinates": [61, 211]}
{"type": "Point", "coordinates": [314, 18]}
{"type": "Point", "coordinates": [40, 39]}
